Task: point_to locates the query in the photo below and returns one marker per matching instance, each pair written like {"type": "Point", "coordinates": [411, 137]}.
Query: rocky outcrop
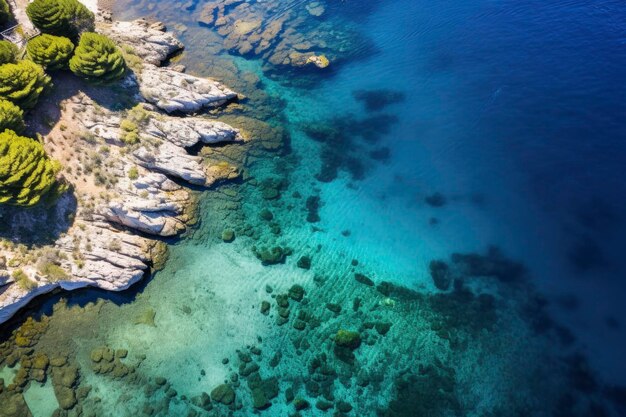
{"type": "Point", "coordinates": [152, 204]}
{"type": "Point", "coordinates": [191, 131]}
{"type": "Point", "coordinates": [121, 165]}
{"type": "Point", "coordinates": [149, 41]}
{"type": "Point", "coordinates": [172, 160]}
{"type": "Point", "coordinates": [172, 91]}
{"type": "Point", "coordinates": [281, 34]}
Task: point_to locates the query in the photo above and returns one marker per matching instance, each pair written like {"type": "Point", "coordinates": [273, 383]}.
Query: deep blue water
{"type": "Point", "coordinates": [505, 128]}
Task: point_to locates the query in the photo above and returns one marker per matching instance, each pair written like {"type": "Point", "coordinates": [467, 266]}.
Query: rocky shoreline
{"type": "Point", "coordinates": [127, 169]}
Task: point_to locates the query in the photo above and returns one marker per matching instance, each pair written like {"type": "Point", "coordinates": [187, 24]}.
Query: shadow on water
{"type": "Point", "coordinates": [43, 305]}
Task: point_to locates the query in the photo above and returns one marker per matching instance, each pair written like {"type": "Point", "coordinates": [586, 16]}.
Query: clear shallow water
{"type": "Point", "coordinates": [514, 113]}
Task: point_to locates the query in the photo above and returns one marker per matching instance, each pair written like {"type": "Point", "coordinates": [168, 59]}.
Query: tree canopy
{"type": "Point", "coordinates": [61, 17]}
{"type": "Point", "coordinates": [23, 83]}
{"type": "Point", "coordinates": [8, 52]}
{"type": "Point", "coordinates": [5, 12]}
{"type": "Point", "coordinates": [49, 51]}
{"type": "Point", "coordinates": [97, 59]}
{"type": "Point", "coordinates": [26, 172]}
{"type": "Point", "coordinates": [11, 117]}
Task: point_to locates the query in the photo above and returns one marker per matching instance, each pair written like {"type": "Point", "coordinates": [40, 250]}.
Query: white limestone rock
{"type": "Point", "coordinates": [148, 41]}
{"type": "Point", "coordinates": [187, 132]}
{"type": "Point", "coordinates": [173, 91]}
{"type": "Point", "coordinates": [172, 160]}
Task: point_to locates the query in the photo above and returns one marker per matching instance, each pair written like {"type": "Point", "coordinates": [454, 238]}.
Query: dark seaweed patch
{"type": "Point", "coordinates": [376, 100]}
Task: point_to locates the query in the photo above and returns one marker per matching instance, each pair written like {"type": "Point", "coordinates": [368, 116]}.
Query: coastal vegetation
{"type": "Point", "coordinates": [97, 59]}
{"type": "Point", "coordinates": [67, 18]}
{"type": "Point", "coordinates": [22, 83]}
{"type": "Point", "coordinates": [11, 117]}
{"type": "Point", "coordinates": [51, 52]}
{"type": "Point", "coordinates": [26, 173]}
{"type": "Point", "coordinates": [8, 52]}
{"type": "Point", "coordinates": [5, 12]}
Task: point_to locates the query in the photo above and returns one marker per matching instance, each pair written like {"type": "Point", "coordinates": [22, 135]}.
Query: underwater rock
{"type": "Point", "coordinates": [13, 405]}
{"type": "Point", "coordinates": [382, 328]}
{"type": "Point", "coordinates": [385, 288]}
{"type": "Point", "coordinates": [246, 369]}
{"type": "Point", "coordinates": [492, 264]}
{"type": "Point", "coordinates": [299, 325]}
{"type": "Point", "coordinates": [348, 339]}
{"type": "Point", "coordinates": [266, 215]}
{"type": "Point", "coordinates": [296, 292]}
{"type": "Point", "coordinates": [228, 235]}
{"type": "Point", "coordinates": [300, 404]}
{"type": "Point", "coordinates": [323, 405]}
{"type": "Point", "coordinates": [312, 207]}
{"type": "Point", "coordinates": [271, 256]}
{"type": "Point", "coordinates": [223, 394]}
{"type": "Point", "coordinates": [344, 407]}
{"type": "Point", "coordinates": [363, 279]}
{"type": "Point", "coordinates": [431, 392]}
{"type": "Point", "coordinates": [259, 400]}
{"type": "Point", "coordinates": [291, 38]}
{"type": "Point", "coordinates": [64, 380]}
{"type": "Point", "coordinates": [203, 401]}
{"type": "Point", "coordinates": [265, 307]}
{"type": "Point", "coordinates": [304, 262]}
{"type": "Point", "coordinates": [441, 274]}
{"type": "Point", "coordinates": [335, 308]}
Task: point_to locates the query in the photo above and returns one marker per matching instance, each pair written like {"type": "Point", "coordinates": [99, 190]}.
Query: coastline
{"type": "Point", "coordinates": [123, 210]}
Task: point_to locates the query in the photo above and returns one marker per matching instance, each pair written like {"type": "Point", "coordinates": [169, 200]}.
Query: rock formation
{"type": "Point", "coordinates": [120, 165]}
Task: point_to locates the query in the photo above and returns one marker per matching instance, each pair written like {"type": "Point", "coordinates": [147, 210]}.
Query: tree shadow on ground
{"type": "Point", "coordinates": [39, 225]}
{"type": "Point", "coordinates": [115, 97]}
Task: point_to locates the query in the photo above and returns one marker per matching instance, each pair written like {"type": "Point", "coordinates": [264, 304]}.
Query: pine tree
{"type": "Point", "coordinates": [11, 117]}
{"type": "Point", "coordinates": [23, 83]}
{"type": "Point", "coordinates": [5, 12]}
{"type": "Point", "coordinates": [61, 17]}
{"type": "Point", "coordinates": [8, 52]}
{"type": "Point", "coordinates": [26, 172]}
{"type": "Point", "coordinates": [97, 59]}
{"type": "Point", "coordinates": [51, 52]}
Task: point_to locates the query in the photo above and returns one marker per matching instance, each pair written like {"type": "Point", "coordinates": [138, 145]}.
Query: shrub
{"type": "Point", "coordinates": [8, 52]}
{"type": "Point", "coordinates": [97, 59]}
{"type": "Point", "coordinates": [133, 173]}
{"type": "Point", "coordinates": [53, 271]}
{"type": "Point", "coordinates": [11, 117]}
{"type": "Point", "coordinates": [5, 12]}
{"type": "Point", "coordinates": [23, 83]}
{"type": "Point", "coordinates": [26, 172]}
{"type": "Point", "coordinates": [22, 280]}
{"type": "Point", "coordinates": [49, 51]}
{"type": "Point", "coordinates": [61, 17]}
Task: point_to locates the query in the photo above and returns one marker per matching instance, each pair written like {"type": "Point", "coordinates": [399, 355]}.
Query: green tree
{"type": "Point", "coordinates": [26, 172]}
{"type": "Point", "coordinates": [8, 52]}
{"type": "Point", "coordinates": [61, 17]}
{"type": "Point", "coordinates": [52, 52]}
{"type": "Point", "coordinates": [5, 12]}
{"type": "Point", "coordinates": [23, 83]}
{"type": "Point", "coordinates": [11, 117]}
{"type": "Point", "coordinates": [97, 59]}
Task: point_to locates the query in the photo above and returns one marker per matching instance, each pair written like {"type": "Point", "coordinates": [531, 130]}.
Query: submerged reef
{"type": "Point", "coordinates": [347, 346]}
{"type": "Point", "coordinates": [282, 34]}
{"type": "Point", "coordinates": [348, 143]}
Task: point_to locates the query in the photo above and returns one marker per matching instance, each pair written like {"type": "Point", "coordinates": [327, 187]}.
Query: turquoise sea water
{"type": "Point", "coordinates": [493, 143]}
